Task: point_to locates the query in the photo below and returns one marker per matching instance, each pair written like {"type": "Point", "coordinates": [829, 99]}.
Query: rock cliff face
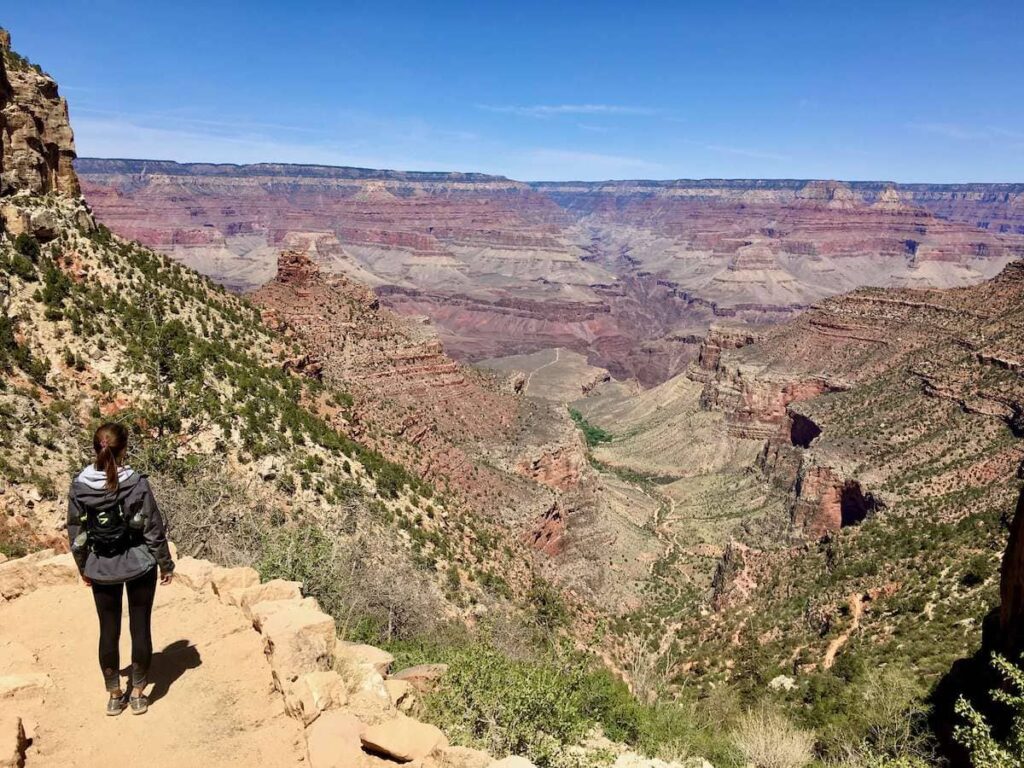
{"type": "Point", "coordinates": [409, 399]}
{"type": "Point", "coordinates": [863, 381]}
{"type": "Point", "coordinates": [37, 148]}
{"type": "Point", "coordinates": [629, 273]}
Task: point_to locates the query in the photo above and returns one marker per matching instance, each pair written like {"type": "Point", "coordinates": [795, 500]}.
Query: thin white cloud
{"type": "Point", "coordinates": [182, 121]}
{"type": "Point", "coordinates": [555, 110]}
{"type": "Point", "coordinates": [961, 132]}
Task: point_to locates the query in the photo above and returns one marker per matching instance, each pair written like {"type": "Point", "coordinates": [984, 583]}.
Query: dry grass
{"type": "Point", "coordinates": [768, 740]}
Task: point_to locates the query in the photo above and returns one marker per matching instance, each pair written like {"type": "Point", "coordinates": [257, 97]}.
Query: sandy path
{"type": "Point", "coordinates": [557, 358]}
{"type": "Point", "coordinates": [212, 700]}
{"type": "Point", "coordinates": [856, 604]}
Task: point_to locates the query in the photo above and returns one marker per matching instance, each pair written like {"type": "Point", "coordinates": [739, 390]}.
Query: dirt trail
{"type": "Point", "coordinates": [856, 604]}
{"type": "Point", "coordinates": [558, 356]}
{"type": "Point", "coordinates": [212, 700]}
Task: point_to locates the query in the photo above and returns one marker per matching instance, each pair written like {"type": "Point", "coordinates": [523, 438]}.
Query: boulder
{"type": "Point", "coordinates": [512, 762]}
{"type": "Point", "coordinates": [332, 741]}
{"type": "Point", "coordinates": [368, 695]}
{"type": "Point", "coordinates": [358, 653]}
{"type": "Point", "coordinates": [403, 739]}
{"type": "Point", "coordinates": [224, 580]}
{"type": "Point", "coordinates": [298, 640]}
{"type": "Point", "coordinates": [314, 693]}
{"type": "Point", "coordinates": [261, 612]}
{"type": "Point", "coordinates": [13, 742]}
{"type": "Point", "coordinates": [464, 757]}
{"type": "Point", "coordinates": [402, 694]}
{"type": "Point", "coordinates": [278, 589]}
{"type": "Point", "coordinates": [58, 570]}
{"type": "Point", "coordinates": [40, 569]}
{"type": "Point", "coordinates": [194, 573]}
{"type": "Point", "coordinates": [26, 684]}
{"type": "Point", "coordinates": [633, 760]}
{"type": "Point", "coordinates": [40, 224]}
{"type": "Point", "coordinates": [422, 677]}
{"type": "Point", "coordinates": [783, 683]}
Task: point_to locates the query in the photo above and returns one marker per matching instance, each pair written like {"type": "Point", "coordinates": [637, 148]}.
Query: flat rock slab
{"type": "Point", "coordinates": [332, 741]}
{"type": "Point", "coordinates": [403, 739]}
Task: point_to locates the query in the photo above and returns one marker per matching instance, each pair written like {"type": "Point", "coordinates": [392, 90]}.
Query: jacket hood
{"type": "Point", "coordinates": [91, 484]}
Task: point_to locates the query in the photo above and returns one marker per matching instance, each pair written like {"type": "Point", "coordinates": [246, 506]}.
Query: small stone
{"type": "Point", "coordinates": [512, 762]}
{"type": "Point", "coordinates": [422, 677]}
{"type": "Point", "coordinates": [314, 693]}
{"type": "Point", "coordinates": [277, 589]}
{"type": "Point", "coordinates": [465, 757]}
{"type": "Point", "coordinates": [402, 694]}
{"type": "Point", "coordinates": [193, 573]}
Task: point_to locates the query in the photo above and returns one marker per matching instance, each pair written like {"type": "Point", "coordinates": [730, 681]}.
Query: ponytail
{"type": "Point", "coordinates": [110, 443]}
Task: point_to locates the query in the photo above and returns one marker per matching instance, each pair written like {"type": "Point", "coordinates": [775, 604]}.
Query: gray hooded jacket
{"type": "Point", "coordinates": [146, 549]}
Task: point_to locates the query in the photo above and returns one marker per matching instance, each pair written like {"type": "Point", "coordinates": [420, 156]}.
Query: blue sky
{"type": "Point", "coordinates": [910, 90]}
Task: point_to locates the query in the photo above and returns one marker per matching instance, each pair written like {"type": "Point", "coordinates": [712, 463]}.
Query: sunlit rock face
{"type": "Point", "coordinates": [37, 148]}
{"type": "Point", "coordinates": [631, 274]}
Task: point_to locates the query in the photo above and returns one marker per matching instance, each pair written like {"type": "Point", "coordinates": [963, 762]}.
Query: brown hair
{"type": "Point", "coordinates": [110, 443]}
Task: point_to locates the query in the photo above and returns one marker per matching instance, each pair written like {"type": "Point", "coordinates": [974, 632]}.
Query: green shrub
{"type": "Point", "coordinates": [593, 434]}
{"type": "Point", "coordinates": [538, 703]}
{"type": "Point", "coordinates": [977, 736]}
{"type": "Point", "coordinates": [27, 246]}
{"type": "Point", "coordinates": [304, 553]}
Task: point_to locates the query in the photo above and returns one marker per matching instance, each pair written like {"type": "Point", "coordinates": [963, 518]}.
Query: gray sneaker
{"type": "Point", "coordinates": [116, 704]}
{"type": "Point", "coordinates": [139, 704]}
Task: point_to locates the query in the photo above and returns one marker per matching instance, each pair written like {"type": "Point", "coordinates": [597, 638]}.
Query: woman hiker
{"type": "Point", "coordinates": [118, 540]}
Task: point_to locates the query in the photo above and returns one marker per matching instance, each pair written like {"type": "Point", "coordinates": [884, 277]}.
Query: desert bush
{"type": "Point", "coordinates": [27, 246]}
{"type": "Point", "coordinates": [977, 735]}
{"type": "Point", "coordinates": [768, 740]}
{"type": "Point", "coordinates": [544, 699]}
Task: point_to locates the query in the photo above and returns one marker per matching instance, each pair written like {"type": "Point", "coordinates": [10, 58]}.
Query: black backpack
{"type": "Point", "coordinates": [108, 531]}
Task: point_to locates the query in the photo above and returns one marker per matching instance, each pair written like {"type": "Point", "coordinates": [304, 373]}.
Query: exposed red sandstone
{"type": "Point", "coordinates": [812, 390]}
{"type": "Point", "coordinates": [628, 273]}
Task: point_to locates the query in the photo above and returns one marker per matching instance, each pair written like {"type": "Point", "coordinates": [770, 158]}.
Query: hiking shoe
{"type": "Point", "coordinates": [116, 705]}
{"type": "Point", "coordinates": [139, 704]}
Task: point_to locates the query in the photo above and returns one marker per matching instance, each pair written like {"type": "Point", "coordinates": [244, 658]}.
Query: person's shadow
{"type": "Point", "coordinates": [168, 665]}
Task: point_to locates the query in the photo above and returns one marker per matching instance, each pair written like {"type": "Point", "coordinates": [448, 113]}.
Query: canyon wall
{"type": "Point", "coordinates": [630, 274]}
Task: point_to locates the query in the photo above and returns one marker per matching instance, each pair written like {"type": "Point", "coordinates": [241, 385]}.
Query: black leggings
{"type": "Point", "coordinates": [141, 592]}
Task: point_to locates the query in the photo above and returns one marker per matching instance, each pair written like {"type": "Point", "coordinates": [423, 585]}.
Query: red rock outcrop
{"type": "Point", "coordinates": [878, 374]}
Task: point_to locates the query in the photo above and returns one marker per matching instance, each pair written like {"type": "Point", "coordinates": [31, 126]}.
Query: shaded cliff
{"type": "Point", "coordinates": [1011, 588]}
